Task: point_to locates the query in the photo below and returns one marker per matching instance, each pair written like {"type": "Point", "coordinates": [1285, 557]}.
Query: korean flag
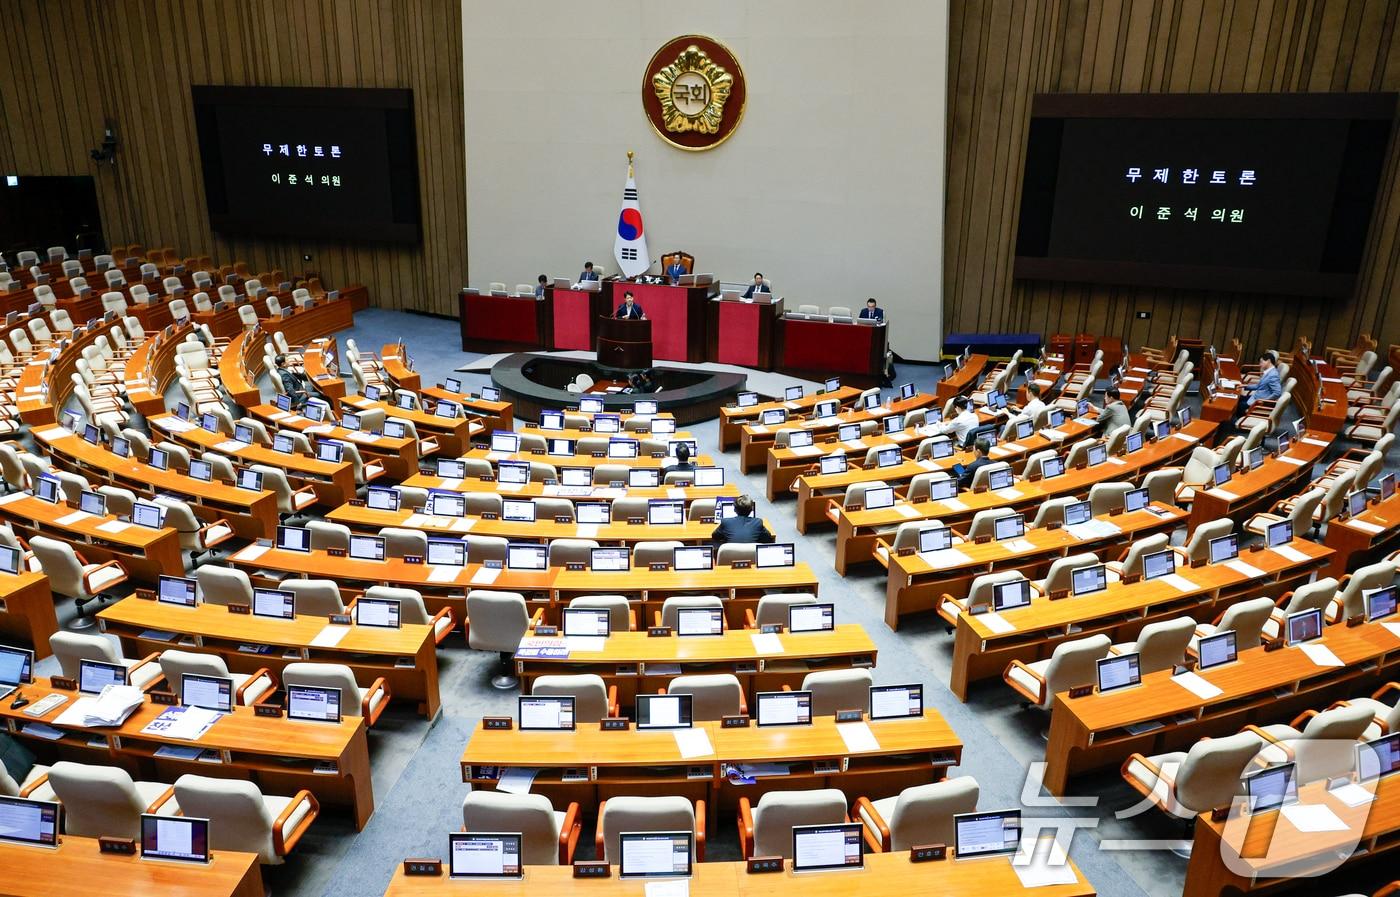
{"type": "Point", "coordinates": [630, 247]}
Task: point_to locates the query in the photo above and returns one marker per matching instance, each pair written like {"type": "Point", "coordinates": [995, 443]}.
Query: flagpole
{"type": "Point", "coordinates": [629, 164]}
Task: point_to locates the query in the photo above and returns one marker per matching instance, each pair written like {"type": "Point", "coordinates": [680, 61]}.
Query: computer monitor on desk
{"type": "Point", "coordinates": [178, 590]}
{"type": "Point", "coordinates": [827, 848]}
{"type": "Point", "coordinates": [16, 669]}
{"type": "Point", "coordinates": [484, 855]}
{"type": "Point", "coordinates": [977, 835]}
{"type": "Point", "coordinates": [545, 712]}
{"type": "Point", "coordinates": [209, 692]}
{"type": "Point", "coordinates": [784, 708]}
{"type": "Point", "coordinates": [313, 703]}
{"type": "Point", "coordinates": [663, 711]}
{"type": "Point", "coordinates": [176, 839]}
{"type": "Point", "coordinates": [95, 675]}
{"type": "Point", "coordinates": [655, 854]}
{"type": "Point", "coordinates": [30, 822]}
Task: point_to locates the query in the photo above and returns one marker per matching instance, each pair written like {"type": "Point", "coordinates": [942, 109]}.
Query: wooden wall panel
{"type": "Point", "coordinates": [70, 65]}
{"type": "Point", "coordinates": [1002, 52]}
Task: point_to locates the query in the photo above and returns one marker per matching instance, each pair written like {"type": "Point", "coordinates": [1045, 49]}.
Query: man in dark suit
{"type": "Point", "coordinates": [743, 527]}
{"type": "Point", "coordinates": [758, 286]}
{"type": "Point", "coordinates": [629, 308]}
{"type": "Point", "coordinates": [588, 273]}
{"type": "Point", "coordinates": [675, 271]}
{"type": "Point", "coordinates": [872, 311]}
{"type": "Point", "coordinates": [291, 384]}
{"type": "Point", "coordinates": [682, 461]}
{"type": "Point", "coordinates": [966, 473]}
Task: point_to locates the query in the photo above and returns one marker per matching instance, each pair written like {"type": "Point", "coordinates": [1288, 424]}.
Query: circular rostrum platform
{"type": "Point", "coordinates": [535, 382]}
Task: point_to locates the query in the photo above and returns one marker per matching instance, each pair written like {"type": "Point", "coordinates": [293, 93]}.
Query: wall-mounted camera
{"type": "Point", "coordinates": [107, 152]}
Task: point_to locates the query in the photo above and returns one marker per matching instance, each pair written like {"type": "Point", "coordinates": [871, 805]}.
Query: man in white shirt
{"type": "Point", "coordinates": [964, 420]}
{"type": "Point", "coordinates": [1033, 405]}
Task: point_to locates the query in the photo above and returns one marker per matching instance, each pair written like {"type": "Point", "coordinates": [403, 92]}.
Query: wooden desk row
{"type": "Point", "coordinates": [984, 645]}
{"type": "Point", "coordinates": [546, 590]}
{"type": "Point", "coordinates": [589, 765]}
{"type": "Point", "coordinates": [1364, 538]}
{"type": "Point", "coordinates": [398, 457]}
{"type": "Point", "coordinates": [1258, 490]}
{"type": "Point", "coordinates": [886, 873]}
{"type": "Point", "coordinates": [77, 867]}
{"type": "Point", "coordinates": [145, 553]}
{"type": "Point", "coordinates": [963, 379]}
{"type": "Point", "coordinates": [331, 760]}
{"type": "Point", "coordinates": [638, 663]}
{"type": "Point", "coordinates": [453, 435]}
{"type": "Point", "coordinates": [27, 610]}
{"type": "Point", "coordinates": [732, 418]}
{"type": "Point", "coordinates": [756, 439]}
{"type": "Point", "coordinates": [856, 531]}
{"type": "Point", "coordinates": [535, 489]}
{"type": "Point", "coordinates": [918, 583]}
{"type": "Point", "coordinates": [1262, 687]}
{"type": "Point", "coordinates": [405, 657]}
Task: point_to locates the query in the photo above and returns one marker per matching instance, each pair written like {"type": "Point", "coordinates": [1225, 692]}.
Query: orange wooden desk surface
{"type": "Point", "coordinates": [77, 869]}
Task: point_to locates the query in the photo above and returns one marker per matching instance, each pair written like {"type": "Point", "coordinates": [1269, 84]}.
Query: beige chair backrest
{"type": "Point", "coordinates": [399, 542]}
{"type": "Point", "coordinates": [773, 609]}
{"type": "Point", "coordinates": [1327, 747]}
{"type": "Point", "coordinates": [1060, 576]}
{"type": "Point", "coordinates": [984, 522]}
{"type": "Point", "coordinates": [530, 814]}
{"type": "Point", "coordinates": [671, 606]}
{"type": "Point", "coordinates": [1162, 644]}
{"type": "Point", "coordinates": [224, 585]}
{"type": "Point", "coordinates": [97, 800]}
{"type": "Point", "coordinates": [1161, 485]}
{"type": "Point", "coordinates": [923, 814]}
{"type": "Point", "coordinates": [498, 620]}
{"type": "Point", "coordinates": [778, 811]}
{"type": "Point", "coordinates": [834, 690]}
{"type": "Point", "coordinates": [643, 814]}
{"type": "Point", "coordinates": [1105, 497]}
{"type": "Point", "coordinates": [1209, 777]}
{"type": "Point", "coordinates": [983, 587]}
{"type": "Point", "coordinates": [71, 648]}
{"type": "Point", "coordinates": [1366, 579]}
{"type": "Point", "coordinates": [175, 664]}
{"type": "Point", "coordinates": [567, 551]}
{"type": "Point", "coordinates": [60, 563]}
{"type": "Point", "coordinates": [315, 597]}
{"type": "Point", "coordinates": [646, 553]}
{"type": "Point", "coordinates": [1132, 563]}
{"type": "Point", "coordinates": [327, 675]}
{"type": "Point", "coordinates": [1073, 664]}
{"type": "Point", "coordinates": [712, 695]}
{"type": "Point", "coordinates": [589, 691]}
{"type": "Point", "coordinates": [1198, 546]}
{"type": "Point", "coordinates": [1247, 619]}
{"type": "Point", "coordinates": [239, 818]}
{"type": "Point", "coordinates": [1313, 596]}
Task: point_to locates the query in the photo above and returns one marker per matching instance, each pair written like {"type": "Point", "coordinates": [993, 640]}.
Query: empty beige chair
{"type": "Point", "coordinates": [593, 698]}
{"type": "Point", "coordinates": [1131, 565]}
{"type": "Point", "coordinates": [72, 648]}
{"type": "Point", "coordinates": [224, 585]}
{"type": "Point", "coordinates": [1185, 784]}
{"type": "Point", "coordinates": [1351, 598]}
{"type": "Point", "coordinates": [1245, 618]}
{"type": "Point", "coordinates": [735, 551]}
{"type": "Point", "coordinates": [766, 829]}
{"type": "Point", "coordinates": [772, 610]}
{"type": "Point", "coordinates": [571, 551]}
{"type": "Point", "coordinates": [618, 607]}
{"type": "Point", "coordinates": [1160, 645]}
{"type": "Point", "coordinates": [314, 597]}
{"type": "Point", "coordinates": [648, 814]}
{"type": "Point", "coordinates": [1072, 664]}
{"type": "Point", "coordinates": [114, 302]}
{"type": "Point", "coordinates": [400, 542]}
{"type": "Point", "coordinates": [1300, 515]}
{"type": "Point", "coordinates": [242, 818]}
{"type": "Point", "coordinates": [481, 549]}
{"type": "Point", "coordinates": [1324, 746]}
{"type": "Point", "coordinates": [713, 696]}
{"type": "Point", "coordinates": [984, 522]}
{"type": "Point", "coordinates": [629, 508]}
{"type": "Point", "coordinates": [105, 801]}
{"type": "Point", "coordinates": [607, 474]}
{"type": "Point", "coordinates": [497, 621]}
{"type": "Point", "coordinates": [646, 553]}
{"type": "Point", "coordinates": [1197, 548]}
{"type": "Point", "coordinates": [549, 837]}
{"type": "Point", "coordinates": [922, 814]}
{"type": "Point", "coordinates": [195, 537]}
{"type": "Point", "coordinates": [1385, 717]}
{"type": "Point", "coordinates": [71, 577]}
{"type": "Point", "coordinates": [325, 534]}
{"type": "Point", "coordinates": [834, 690]}
{"type": "Point", "coordinates": [119, 500]}
{"type": "Point", "coordinates": [247, 687]}
{"type": "Point", "coordinates": [413, 611]}
{"type": "Point", "coordinates": [1316, 595]}
{"type": "Point", "coordinates": [979, 592]}
{"type": "Point", "coordinates": [246, 313]}
{"type": "Point", "coordinates": [71, 485]}
{"type": "Point", "coordinates": [671, 606]}
{"type": "Point", "coordinates": [1105, 497]}
{"type": "Point", "coordinates": [289, 502]}
{"type": "Point", "coordinates": [354, 701]}
{"type": "Point", "coordinates": [1161, 485]}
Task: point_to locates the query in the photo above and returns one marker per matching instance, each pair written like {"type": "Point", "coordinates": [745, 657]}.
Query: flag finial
{"type": "Point", "coordinates": [629, 163]}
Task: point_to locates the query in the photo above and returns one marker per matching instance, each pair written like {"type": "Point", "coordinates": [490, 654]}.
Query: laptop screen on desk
{"type": "Point", "coordinates": [986, 834]}
{"type": "Point", "coordinates": [1271, 788]}
{"type": "Point", "coordinates": [942, 488]}
{"type": "Point", "coordinates": [484, 855]}
{"type": "Point", "coordinates": [935, 538]}
{"type": "Point", "coordinates": [313, 703]}
{"type": "Point", "coordinates": [824, 410]}
{"type": "Point", "coordinates": [548, 712]}
{"type": "Point", "coordinates": [811, 617]}
{"type": "Point", "coordinates": [95, 675]}
{"type": "Point", "coordinates": [1121, 671]}
{"type": "Point", "coordinates": [1000, 479]}
{"type": "Point", "coordinates": [643, 478]}
{"type": "Point", "coordinates": [784, 708]}
{"type": "Point", "coordinates": [663, 711]}
{"type": "Point", "coordinates": [561, 448]}
{"type": "Point", "coordinates": [446, 504]}
{"type": "Point", "coordinates": [1133, 442]}
{"type": "Point", "coordinates": [183, 839]}
{"type": "Point", "coordinates": [1011, 595]}
{"type": "Point", "coordinates": [699, 621]}
{"type": "Point", "coordinates": [592, 512]}
{"type": "Point", "coordinates": [1090, 579]}
{"type": "Point", "coordinates": [888, 457]}
{"type": "Point", "coordinates": [1380, 604]}
{"type": "Point", "coordinates": [879, 497]}
{"type": "Point", "coordinates": [1012, 526]}
{"type": "Point", "coordinates": [576, 476]}
{"type": "Point", "coordinates": [644, 406]}
{"type": "Point", "coordinates": [279, 604]}
{"type": "Point", "coordinates": [294, 538]}
{"type": "Point", "coordinates": [209, 692]}
{"type": "Point", "coordinates": [513, 472]}
{"type": "Point", "coordinates": [832, 464]}
{"type": "Point", "coordinates": [177, 590]}
{"type": "Point", "coordinates": [502, 441]}
{"type": "Point", "coordinates": [527, 557]}
{"type": "Point", "coordinates": [665, 512]}
{"type": "Point", "coordinates": [1304, 626]}
{"type": "Point", "coordinates": [1078, 512]}
{"type": "Point", "coordinates": [1136, 500]}
{"type": "Point", "coordinates": [655, 854]}
{"type": "Point", "coordinates": [25, 821]}
{"type": "Point", "coordinates": [693, 557]}
{"type": "Point", "coordinates": [1158, 564]}
{"type": "Point", "coordinates": [367, 548]}
{"type": "Point", "coordinates": [250, 479]}
{"type": "Point", "coordinates": [848, 432]}
{"type": "Point", "coordinates": [381, 612]}
{"type": "Point", "coordinates": [590, 405]}
{"type": "Point", "coordinates": [1226, 548]}
{"type": "Point", "coordinates": [1378, 758]}
{"type": "Point", "coordinates": [825, 847]}
{"type": "Point", "coordinates": [709, 476]}
{"type": "Point", "coordinates": [9, 559]}
{"type": "Point", "coordinates": [622, 448]}
{"type": "Point", "coordinates": [147, 515]}
{"type": "Point", "coordinates": [896, 701]}
{"type": "Point", "coordinates": [1217, 650]}
{"type": "Point", "coordinates": [518, 510]}
{"type": "Point", "coordinates": [792, 393]}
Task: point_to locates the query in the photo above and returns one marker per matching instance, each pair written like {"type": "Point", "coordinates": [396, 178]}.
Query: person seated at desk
{"type": "Point", "coordinates": [588, 273]}
{"type": "Point", "coordinates": [964, 420]}
{"type": "Point", "coordinates": [1268, 388]}
{"type": "Point", "coordinates": [1031, 410]}
{"type": "Point", "coordinates": [629, 308]}
{"type": "Point", "coordinates": [641, 382]}
{"type": "Point", "coordinates": [292, 385]}
{"type": "Point", "coordinates": [743, 527]}
{"type": "Point", "coordinates": [539, 287]}
{"type": "Point", "coordinates": [675, 271]}
{"type": "Point", "coordinates": [682, 462]}
{"type": "Point", "coordinates": [759, 285]}
{"type": "Point", "coordinates": [1114, 413]}
{"type": "Point", "coordinates": [872, 311]}
{"type": "Point", "coordinates": [966, 472]}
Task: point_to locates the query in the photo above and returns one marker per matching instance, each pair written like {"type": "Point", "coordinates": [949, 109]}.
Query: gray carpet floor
{"type": "Point", "coordinates": [418, 789]}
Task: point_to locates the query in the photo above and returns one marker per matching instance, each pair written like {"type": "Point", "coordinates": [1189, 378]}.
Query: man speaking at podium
{"type": "Point", "coordinates": [629, 308]}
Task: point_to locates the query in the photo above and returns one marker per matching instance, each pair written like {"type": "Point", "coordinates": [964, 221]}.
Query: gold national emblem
{"type": "Point", "coordinates": [693, 91]}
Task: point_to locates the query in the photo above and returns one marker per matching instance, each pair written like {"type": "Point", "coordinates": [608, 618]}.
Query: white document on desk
{"type": "Point", "coordinates": [1184, 437]}
{"type": "Point", "coordinates": [51, 433]}
{"type": "Point", "coordinates": [444, 574]}
{"type": "Point", "coordinates": [1352, 794]}
{"type": "Point", "coordinates": [953, 504]}
{"type": "Point", "coordinates": [758, 429]}
{"type": "Point", "coordinates": [587, 530]}
{"type": "Point", "coordinates": [1309, 818]}
{"type": "Point", "coordinates": [945, 557]}
{"type": "Point", "coordinates": [1289, 553]}
{"type": "Point", "coordinates": [113, 526]}
{"type": "Point", "coordinates": [1364, 526]}
{"type": "Point", "coordinates": [1018, 545]}
{"type": "Point", "coordinates": [853, 444]}
{"type": "Point", "coordinates": [1117, 460]}
{"type": "Point", "coordinates": [485, 576]}
{"type": "Point", "coordinates": [1244, 569]}
{"type": "Point", "coordinates": [996, 622]}
{"type": "Point", "coordinates": [357, 436]}
{"type": "Point", "coordinates": [516, 779]}
{"type": "Point", "coordinates": [1197, 686]}
{"type": "Point", "coordinates": [1041, 863]}
{"type": "Point", "coordinates": [806, 451]}
{"type": "Point", "coordinates": [1296, 462]}
{"type": "Point", "coordinates": [330, 636]}
{"type": "Point", "coordinates": [1008, 494]}
{"type": "Point", "coordinates": [462, 524]}
{"type": "Point", "coordinates": [1178, 582]}
{"type": "Point", "coordinates": [230, 446]}
{"type": "Point", "coordinates": [669, 888]}
{"type": "Point", "coordinates": [1223, 494]}
{"type": "Point", "coordinates": [1321, 655]}
{"type": "Point", "coordinates": [1318, 442]}
{"type": "Point", "coordinates": [70, 519]}
{"type": "Point", "coordinates": [252, 552]}
{"type": "Point", "coordinates": [1052, 434]}
{"type": "Point", "coordinates": [1392, 628]}
{"type": "Point", "coordinates": [905, 511]}
{"type": "Point", "coordinates": [929, 464]}
{"type": "Point", "coordinates": [585, 644]}
{"type": "Point", "coordinates": [675, 494]}
{"type": "Point", "coordinates": [858, 737]}
{"type": "Point", "coordinates": [766, 643]}
{"type": "Point", "coordinates": [693, 743]}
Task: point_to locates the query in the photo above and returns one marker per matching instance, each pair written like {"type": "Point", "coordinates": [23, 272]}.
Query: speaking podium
{"type": "Point", "coordinates": [624, 343]}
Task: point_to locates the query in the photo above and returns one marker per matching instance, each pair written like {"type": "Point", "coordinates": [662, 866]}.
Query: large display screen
{"type": "Point", "coordinates": [338, 163]}
{"type": "Point", "coordinates": [1254, 192]}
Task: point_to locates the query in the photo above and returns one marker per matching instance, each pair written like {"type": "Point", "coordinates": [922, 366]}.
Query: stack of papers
{"type": "Point", "coordinates": [1041, 863]}
{"type": "Point", "coordinates": [946, 557]}
{"type": "Point", "coordinates": [1289, 553]}
{"type": "Point", "coordinates": [485, 576]}
{"type": "Point", "coordinates": [111, 708]}
{"type": "Point", "coordinates": [184, 723]}
{"type": "Point", "coordinates": [1017, 545]}
{"type": "Point", "coordinates": [1092, 529]}
{"type": "Point", "coordinates": [516, 779]}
